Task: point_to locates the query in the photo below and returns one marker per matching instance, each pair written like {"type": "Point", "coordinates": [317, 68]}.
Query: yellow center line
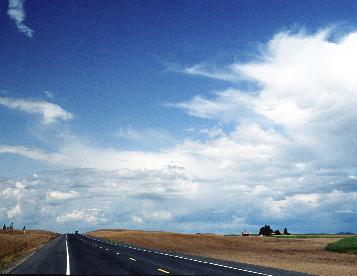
{"type": "Point", "coordinates": [162, 270]}
{"type": "Point", "coordinates": [133, 259]}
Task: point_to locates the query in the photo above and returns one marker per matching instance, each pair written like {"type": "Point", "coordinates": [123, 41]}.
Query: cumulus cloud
{"type": "Point", "coordinates": [79, 215]}
{"type": "Point", "coordinates": [50, 112]}
{"type": "Point", "coordinates": [306, 88]}
{"type": "Point", "coordinates": [17, 13]}
{"type": "Point", "coordinates": [137, 220]}
{"type": "Point", "coordinates": [13, 212]}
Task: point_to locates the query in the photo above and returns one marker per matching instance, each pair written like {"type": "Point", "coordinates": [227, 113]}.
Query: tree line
{"type": "Point", "coordinates": [11, 227]}
{"type": "Point", "coordinates": [267, 231]}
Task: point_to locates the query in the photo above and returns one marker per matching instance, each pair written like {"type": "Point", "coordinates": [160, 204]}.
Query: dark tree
{"type": "Point", "coordinates": [12, 225]}
{"type": "Point", "coordinates": [24, 228]}
{"type": "Point", "coordinates": [286, 231]}
{"type": "Point", "coordinates": [4, 227]}
{"type": "Point", "coordinates": [265, 230]}
{"type": "Point", "coordinates": [277, 232]}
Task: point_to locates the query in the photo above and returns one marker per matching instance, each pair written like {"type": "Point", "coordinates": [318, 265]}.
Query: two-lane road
{"type": "Point", "coordinates": [80, 254]}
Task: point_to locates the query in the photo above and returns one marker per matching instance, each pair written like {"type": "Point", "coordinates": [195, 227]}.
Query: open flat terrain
{"type": "Point", "coordinates": [14, 244]}
{"type": "Point", "coordinates": [303, 255]}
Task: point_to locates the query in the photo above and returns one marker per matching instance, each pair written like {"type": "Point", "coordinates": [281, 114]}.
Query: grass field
{"type": "Point", "coordinates": [14, 244]}
{"type": "Point", "coordinates": [297, 254]}
{"type": "Point", "coordinates": [345, 245]}
{"type": "Point", "coordinates": [302, 236]}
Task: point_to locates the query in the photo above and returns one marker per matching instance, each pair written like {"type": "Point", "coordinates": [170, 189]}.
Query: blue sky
{"type": "Point", "coordinates": [191, 116]}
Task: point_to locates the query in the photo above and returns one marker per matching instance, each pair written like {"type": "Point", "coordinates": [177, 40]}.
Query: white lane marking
{"type": "Point", "coordinates": [117, 253]}
{"type": "Point", "coordinates": [107, 249]}
{"type": "Point", "coordinates": [68, 270]}
{"type": "Point", "coordinates": [100, 247]}
{"type": "Point", "coordinates": [133, 259]}
{"type": "Point", "coordinates": [163, 270]}
{"type": "Point", "coordinates": [189, 259]}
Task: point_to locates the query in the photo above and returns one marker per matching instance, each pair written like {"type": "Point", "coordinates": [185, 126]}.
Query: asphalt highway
{"type": "Point", "coordinates": [80, 254]}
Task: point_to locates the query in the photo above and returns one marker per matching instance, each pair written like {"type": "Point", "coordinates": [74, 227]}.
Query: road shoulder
{"type": "Point", "coordinates": [19, 260]}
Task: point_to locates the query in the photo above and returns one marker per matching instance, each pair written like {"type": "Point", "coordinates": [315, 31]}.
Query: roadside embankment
{"type": "Point", "coordinates": [15, 244]}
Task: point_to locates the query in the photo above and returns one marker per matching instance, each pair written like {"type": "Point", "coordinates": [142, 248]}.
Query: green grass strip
{"type": "Point", "coordinates": [345, 245]}
{"type": "Point", "coordinates": [304, 236]}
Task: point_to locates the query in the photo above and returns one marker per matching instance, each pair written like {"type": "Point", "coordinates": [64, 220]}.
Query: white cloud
{"type": "Point", "coordinates": [50, 112]}
{"type": "Point", "coordinates": [31, 153]}
{"type": "Point", "coordinates": [306, 89]}
{"type": "Point", "coordinates": [301, 203]}
{"type": "Point", "coordinates": [13, 212]}
{"type": "Point", "coordinates": [302, 77]}
{"type": "Point", "coordinates": [48, 94]}
{"type": "Point", "coordinates": [161, 215]}
{"type": "Point", "coordinates": [137, 220]}
{"type": "Point", "coordinates": [78, 215]}
{"type": "Point", "coordinates": [17, 13]}
{"type": "Point", "coordinates": [57, 195]}
{"type": "Point", "coordinates": [229, 105]}
{"type": "Point", "coordinates": [208, 71]}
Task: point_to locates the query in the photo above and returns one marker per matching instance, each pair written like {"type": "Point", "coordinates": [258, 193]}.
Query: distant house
{"type": "Point", "coordinates": [245, 233]}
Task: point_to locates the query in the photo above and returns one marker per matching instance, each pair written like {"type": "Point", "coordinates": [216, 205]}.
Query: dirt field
{"type": "Point", "coordinates": [14, 244]}
{"type": "Point", "coordinates": [304, 255]}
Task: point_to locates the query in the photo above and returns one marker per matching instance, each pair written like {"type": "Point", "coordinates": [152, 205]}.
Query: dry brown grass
{"type": "Point", "coordinates": [14, 244]}
{"type": "Point", "coordinates": [304, 255]}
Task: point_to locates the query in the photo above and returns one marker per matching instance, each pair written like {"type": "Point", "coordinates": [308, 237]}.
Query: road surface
{"type": "Point", "coordinates": [80, 254]}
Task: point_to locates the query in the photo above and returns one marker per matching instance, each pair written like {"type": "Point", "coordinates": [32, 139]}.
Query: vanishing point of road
{"type": "Point", "coordinates": [80, 254]}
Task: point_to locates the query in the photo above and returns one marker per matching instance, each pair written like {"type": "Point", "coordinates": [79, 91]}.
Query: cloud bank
{"type": "Point", "coordinates": [17, 13]}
